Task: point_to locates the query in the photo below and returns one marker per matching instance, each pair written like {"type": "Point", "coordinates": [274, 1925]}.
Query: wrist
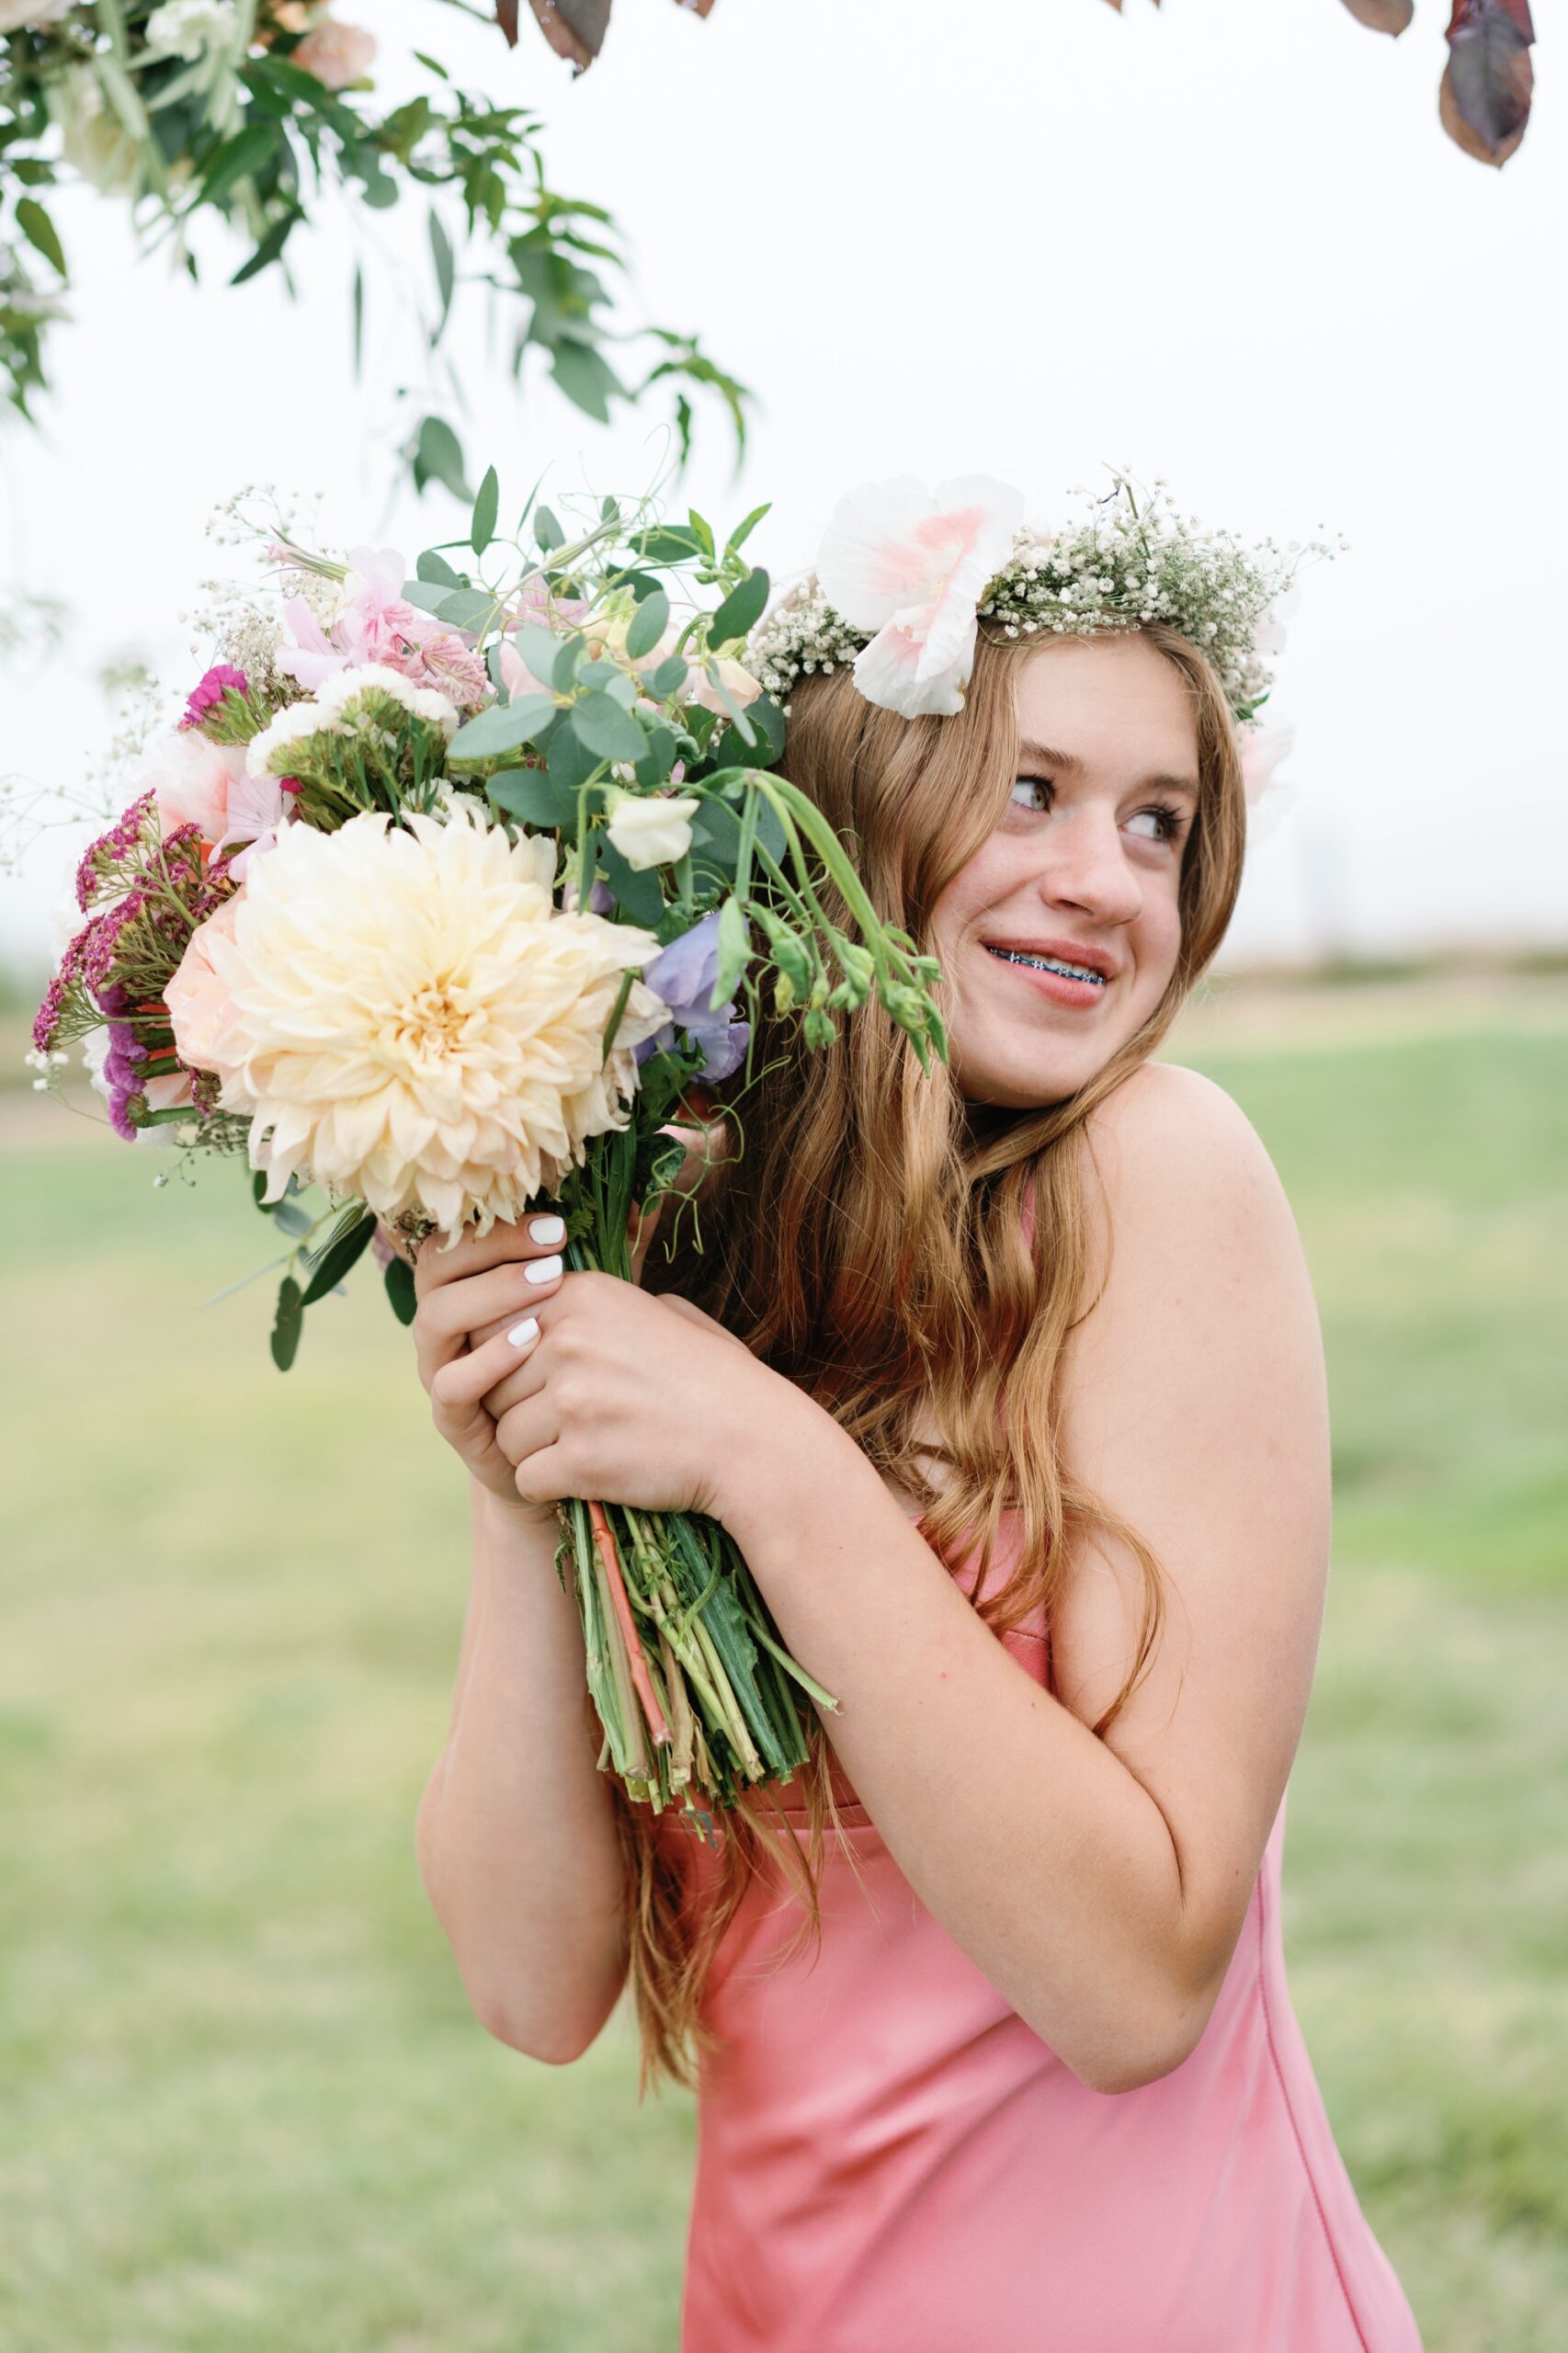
{"type": "Point", "coordinates": [508, 1513]}
{"type": "Point", "coordinates": [790, 1455]}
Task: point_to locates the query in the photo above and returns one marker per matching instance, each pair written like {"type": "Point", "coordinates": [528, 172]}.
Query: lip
{"type": "Point", "coordinates": [1069, 952]}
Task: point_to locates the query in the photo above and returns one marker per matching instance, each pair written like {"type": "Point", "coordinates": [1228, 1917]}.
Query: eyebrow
{"type": "Point", "coordinates": [1050, 758]}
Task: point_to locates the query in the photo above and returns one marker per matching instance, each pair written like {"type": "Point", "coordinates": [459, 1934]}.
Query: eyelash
{"type": "Point", "coordinates": [1173, 819]}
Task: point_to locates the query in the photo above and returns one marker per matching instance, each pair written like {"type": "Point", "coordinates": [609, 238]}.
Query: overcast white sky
{"type": "Point", "coordinates": [1223, 241]}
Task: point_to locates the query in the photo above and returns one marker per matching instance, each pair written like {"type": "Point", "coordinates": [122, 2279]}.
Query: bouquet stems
{"type": "Point", "coordinates": [697, 1698]}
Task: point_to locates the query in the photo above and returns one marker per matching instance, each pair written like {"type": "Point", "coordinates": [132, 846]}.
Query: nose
{"type": "Point", "coordinates": [1084, 865]}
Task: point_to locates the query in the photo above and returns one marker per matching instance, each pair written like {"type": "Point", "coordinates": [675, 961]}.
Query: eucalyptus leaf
{"type": "Point", "coordinates": [659, 758]}
{"type": "Point", "coordinates": [486, 507]}
{"type": "Point", "coordinates": [439, 457]}
{"type": "Point", "coordinates": [287, 1323]}
{"type": "Point", "coordinates": [547, 533]}
{"type": "Point", "coordinates": [647, 625]}
{"type": "Point", "coordinates": [339, 1255]}
{"type": "Point", "coordinates": [542, 654]}
{"type": "Point", "coordinates": [636, 890]}
{"type": "Point", "coordinates": [668, 678]}
{"type": "Point", "coordinates": [607, 728]}
{"type": "Point", "coordinates": [504, 727]}
{"type": "Point", "coordinates": [399, 1279]}
{"type": "Point", "coordinates": [446, 271]}
{"type": "Point", "coordinates": [39, 232]}
{"type": "Point", "coordinates": [741, 609]}
{"type": "Point", "coordinates": [533, 797]}
{"type": "Point", "coordinates": [432, 567]}
{"type": "Point", "coordinates": [429, 595]}
{"type": "Point", "coordinates": [571, 761]}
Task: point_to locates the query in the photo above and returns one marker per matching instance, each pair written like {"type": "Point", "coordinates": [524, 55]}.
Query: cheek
{"type": "Point", "coordinates": [976, 887]}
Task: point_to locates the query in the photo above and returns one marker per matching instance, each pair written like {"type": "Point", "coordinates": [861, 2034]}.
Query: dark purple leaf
{"type": "Point", "coordinates": [1484, 99]}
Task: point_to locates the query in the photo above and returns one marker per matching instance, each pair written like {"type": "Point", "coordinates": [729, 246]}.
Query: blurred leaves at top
{"type": "Point", "coordinates": [265, 112]}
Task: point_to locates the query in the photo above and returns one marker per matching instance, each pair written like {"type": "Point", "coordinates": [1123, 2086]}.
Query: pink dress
{"type": "Point", "coordinates": [890, 2161]}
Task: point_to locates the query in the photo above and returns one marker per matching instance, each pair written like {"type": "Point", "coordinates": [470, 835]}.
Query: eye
{"type": "Point", "coordinates": [1164, 823]}
{"type": "Point", "coordinates": [1032, 792]}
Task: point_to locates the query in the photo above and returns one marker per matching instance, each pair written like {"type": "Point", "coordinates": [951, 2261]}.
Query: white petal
{"type": "Point", "coordinates": [889, 672]}
{"type": "Point", "coordinates": [870, 561]}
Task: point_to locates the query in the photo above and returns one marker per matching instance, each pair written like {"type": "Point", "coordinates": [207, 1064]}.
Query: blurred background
{"type": "Point", "coordinates": [247, 2106]}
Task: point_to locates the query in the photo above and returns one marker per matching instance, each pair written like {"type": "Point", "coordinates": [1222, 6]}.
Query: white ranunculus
{"type": "Point", "coordinates": [406, 1017]}
{"type": "Point", "coordinates": [650, 829]}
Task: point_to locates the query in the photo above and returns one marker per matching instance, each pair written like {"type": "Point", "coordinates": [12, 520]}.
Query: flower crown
{"type": "Point", "coordinates": [904, 579]}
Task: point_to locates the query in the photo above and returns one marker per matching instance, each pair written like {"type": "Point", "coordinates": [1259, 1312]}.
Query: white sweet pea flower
{"type": "Point", "coordinates": [913, 567]}
{"type": "Point", "coordinates": [650, 830]}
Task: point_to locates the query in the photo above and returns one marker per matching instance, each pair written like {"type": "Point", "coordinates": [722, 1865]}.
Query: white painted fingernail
{"type": "Point", "coordinates": [541, 1270]}
{"type": "Point", "coordinates": [521, 1334]}
{"type": "Point", "coordinates": [546, 1229]}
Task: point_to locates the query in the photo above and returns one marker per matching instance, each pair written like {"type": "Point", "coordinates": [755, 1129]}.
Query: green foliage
{"type": "Point", "coordinates": [249, 135]}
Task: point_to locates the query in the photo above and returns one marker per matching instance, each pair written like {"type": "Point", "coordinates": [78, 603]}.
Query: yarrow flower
{"type": "Point", "coordinates": [405, 1016]}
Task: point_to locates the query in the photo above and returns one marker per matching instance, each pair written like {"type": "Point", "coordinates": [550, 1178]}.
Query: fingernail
{"type": "Point", "coordinates": [542, 1270]}
{"type": "Point", "coordinates": [546, 1229]}
{"type": "Point", "coordinates": [521, 1334]}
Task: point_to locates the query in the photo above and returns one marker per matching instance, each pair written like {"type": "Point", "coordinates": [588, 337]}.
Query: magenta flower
{"type": "Point", "coordinates": [211, 688]}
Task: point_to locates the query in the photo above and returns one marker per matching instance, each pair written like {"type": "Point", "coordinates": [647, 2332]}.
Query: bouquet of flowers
{"type": "Point", "coordinates": [442, 899]}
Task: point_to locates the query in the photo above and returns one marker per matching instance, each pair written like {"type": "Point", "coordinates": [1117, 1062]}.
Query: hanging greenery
{"type": "Point", "coordinates": [262, 111]}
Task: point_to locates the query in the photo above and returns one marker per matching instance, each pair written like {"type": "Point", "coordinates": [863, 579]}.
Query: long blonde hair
{"type": "Point", "coordinates": [871, 1242]}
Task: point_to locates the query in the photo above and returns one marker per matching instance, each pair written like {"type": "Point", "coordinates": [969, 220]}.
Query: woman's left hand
{"type": "Point", "coordinates": [625, 1396]}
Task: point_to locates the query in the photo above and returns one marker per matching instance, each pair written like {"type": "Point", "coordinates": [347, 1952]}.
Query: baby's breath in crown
{"type": "Point", "coordinates": [1131, 561]}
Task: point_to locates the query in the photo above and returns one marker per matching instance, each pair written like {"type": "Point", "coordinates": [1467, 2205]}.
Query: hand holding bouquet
{"type": "Point", "coordinates": [442, 899]}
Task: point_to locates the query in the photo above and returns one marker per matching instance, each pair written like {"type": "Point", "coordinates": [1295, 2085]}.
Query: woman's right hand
{"type": "Point", "coordinates": [466, 1295]}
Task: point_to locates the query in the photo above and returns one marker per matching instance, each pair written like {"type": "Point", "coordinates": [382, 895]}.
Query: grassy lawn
{"type": "Point", "coordinates": [246, 2106]}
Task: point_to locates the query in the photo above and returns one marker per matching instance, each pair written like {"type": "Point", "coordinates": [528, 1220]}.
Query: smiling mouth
{"type": "Point", "coordinates": [1048, 964]}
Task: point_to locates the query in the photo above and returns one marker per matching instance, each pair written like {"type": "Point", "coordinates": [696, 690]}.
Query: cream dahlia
{"type": "Point", "coordinates": [410, 1019]}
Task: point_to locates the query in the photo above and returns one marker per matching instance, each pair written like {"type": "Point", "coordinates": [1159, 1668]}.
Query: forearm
{"type": "Point", "coordinates": [517, 1839]}
{"type": "Point", "coordinates": [1022, 1832]}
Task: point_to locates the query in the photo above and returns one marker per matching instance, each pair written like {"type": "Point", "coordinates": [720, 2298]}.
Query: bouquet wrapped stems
{"type": "Point", "coordinates": [695, 1696]}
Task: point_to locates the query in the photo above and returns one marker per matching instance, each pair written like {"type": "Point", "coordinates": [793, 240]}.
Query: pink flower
{"type": "Point", "coordinates": [209, 691]}
{"type": "Point", "coordinates": [338, 55]}
{"type": "Point", "coordinates": [738, 683]}
{"type": "Point", "coordinates": [197, 996]}
{"type": "Point", "coordinates": [204, 784]}
{"type": "Point", "coordinates": [915, 569]}
{"type": "Point", "coordinates": [378, 624]}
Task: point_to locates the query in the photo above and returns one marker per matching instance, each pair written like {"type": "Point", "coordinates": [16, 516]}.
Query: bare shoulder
{"type": "Point", "coordinates": [1175, 1168]}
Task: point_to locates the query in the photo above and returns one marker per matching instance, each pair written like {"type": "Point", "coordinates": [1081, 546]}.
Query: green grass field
{"type": "Point", "coordinates": [247, 2108]}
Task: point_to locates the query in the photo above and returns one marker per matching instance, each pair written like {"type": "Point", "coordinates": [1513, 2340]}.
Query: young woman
{"type": "Point", "coordinates": [1008, 1383]}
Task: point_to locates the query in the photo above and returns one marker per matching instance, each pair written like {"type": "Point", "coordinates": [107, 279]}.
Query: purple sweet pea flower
{"type": "Point", "coordinates": [684, 974]}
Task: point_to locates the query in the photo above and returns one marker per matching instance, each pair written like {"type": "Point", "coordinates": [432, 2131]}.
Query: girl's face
{"type": "Point", "coordinates": [1083, 871]}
